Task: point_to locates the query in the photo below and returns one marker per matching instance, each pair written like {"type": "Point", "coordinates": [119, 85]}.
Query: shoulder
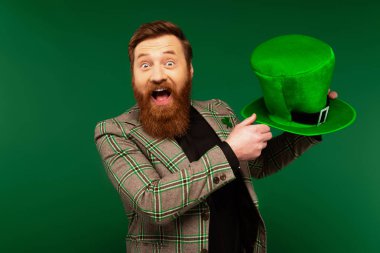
{"type": "Point", "coordinates": [119, 125]}
{"type": "Point", "coordinates": [214, 104]}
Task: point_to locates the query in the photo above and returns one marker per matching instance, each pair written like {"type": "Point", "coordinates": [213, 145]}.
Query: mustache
{"type": "Point", "coordinates": [164, 85]}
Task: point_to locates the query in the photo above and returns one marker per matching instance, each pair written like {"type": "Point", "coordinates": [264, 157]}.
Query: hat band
{"type": "Point", "coordinates": [316, 118]}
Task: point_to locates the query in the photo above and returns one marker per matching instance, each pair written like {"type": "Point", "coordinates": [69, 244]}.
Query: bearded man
{"type": "Point", "coordinates": [183, 167]}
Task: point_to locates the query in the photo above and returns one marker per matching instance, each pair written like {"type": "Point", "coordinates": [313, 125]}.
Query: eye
{"type": "Point", "coordinates": [144, 65]}
{"type": "Point", "coordinates": [170, 63]}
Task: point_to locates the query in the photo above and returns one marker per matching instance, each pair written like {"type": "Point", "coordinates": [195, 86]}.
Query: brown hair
{"type": "Point", "coordinates": [156, 29]}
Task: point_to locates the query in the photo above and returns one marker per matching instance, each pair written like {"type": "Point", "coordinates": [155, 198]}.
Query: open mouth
{"type": "Point", "coordinates": [161, 96]}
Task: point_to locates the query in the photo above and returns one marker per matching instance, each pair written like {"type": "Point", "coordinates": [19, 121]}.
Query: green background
{"type": "Point", "coordinates": [64, 67]}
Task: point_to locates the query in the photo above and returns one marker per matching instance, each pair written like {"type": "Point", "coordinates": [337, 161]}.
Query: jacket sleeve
{"type": "Point", "coordinates": [159, 200]}
{"type": "Point", "coordinates": [280, 151]}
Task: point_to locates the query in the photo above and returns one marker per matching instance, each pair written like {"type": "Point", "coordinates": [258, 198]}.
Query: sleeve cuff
{"type": "Point", "coordinates": [317, 138]}
{"type": "Point", "coordinates": [230, 155]}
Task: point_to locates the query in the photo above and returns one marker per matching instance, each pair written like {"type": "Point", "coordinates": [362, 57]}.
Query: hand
{"type": "Point", "coordinates": [333, 94]}
{"type": "Point", "coordinates": [247, 140]}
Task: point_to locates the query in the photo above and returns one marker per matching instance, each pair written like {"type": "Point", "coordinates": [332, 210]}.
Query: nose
{"type": "Point", "coordinates": [158, 75]}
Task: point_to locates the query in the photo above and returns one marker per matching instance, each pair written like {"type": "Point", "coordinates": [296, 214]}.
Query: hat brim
{"type": "Point", "coordinates": [340, 115]}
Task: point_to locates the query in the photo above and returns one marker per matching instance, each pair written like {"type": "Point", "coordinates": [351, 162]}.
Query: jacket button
{"type": "Point", "coordinates": [216, 180]}
{"type": "Point", "coordinates": [223, 177]}
{"type": "Point", "coordinates": [204, 251]}
{"type": "Point", "coordinates": [205, 216]}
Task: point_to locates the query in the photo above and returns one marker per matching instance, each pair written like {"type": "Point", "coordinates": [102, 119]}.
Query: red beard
{"type": "Point", "coordinates": [166, 121]}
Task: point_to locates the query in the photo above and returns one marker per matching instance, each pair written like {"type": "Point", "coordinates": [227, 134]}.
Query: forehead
{"type": "Point", "coordinates": [159, 45]}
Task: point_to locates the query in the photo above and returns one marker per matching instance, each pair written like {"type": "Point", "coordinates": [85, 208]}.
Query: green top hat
{"type": "Point", "coordinates": [295, 73]}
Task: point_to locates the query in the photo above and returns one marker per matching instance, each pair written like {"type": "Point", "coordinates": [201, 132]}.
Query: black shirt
{"type": "Point", "coordinates": [233, 223]}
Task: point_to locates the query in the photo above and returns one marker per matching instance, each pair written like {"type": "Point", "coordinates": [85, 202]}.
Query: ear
{"type": "Point", "coordinates": [191, 70]}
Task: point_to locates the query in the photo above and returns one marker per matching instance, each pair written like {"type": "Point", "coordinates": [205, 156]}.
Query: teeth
{"type": "Point", "coordinates": [161, 89]}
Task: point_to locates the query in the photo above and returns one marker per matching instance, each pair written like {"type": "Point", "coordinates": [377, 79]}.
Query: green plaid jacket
{"type": "Point", "coordinates": [163, 194]}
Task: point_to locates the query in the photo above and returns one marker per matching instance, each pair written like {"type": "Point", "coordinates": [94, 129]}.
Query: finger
{"type": "Point", "coordinates": [249, 120]}
{"type": "Point", "coordinates": [264, 145]}
{"type": "Point", "coordinates": [261, 128]}
{"type": "Point", "coordinates": [267, 136]}
{"type": "Point", "coordinates": [333, 95]}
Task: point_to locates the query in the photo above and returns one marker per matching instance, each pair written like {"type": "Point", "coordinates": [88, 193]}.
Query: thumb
{"type": "Point", "coordinates": [249, 120]}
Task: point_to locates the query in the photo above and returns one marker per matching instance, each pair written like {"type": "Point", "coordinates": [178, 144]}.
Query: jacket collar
{"type": "Point", "coordinates": [207, 109]}
{"type": "Point", "coordinates": [213, 113]}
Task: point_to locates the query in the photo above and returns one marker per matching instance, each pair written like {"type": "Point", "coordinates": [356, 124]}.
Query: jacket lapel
{"type": "Point", "coordinates": [219, 121]}
{"type": "Point", "coordinates": [167, 151]}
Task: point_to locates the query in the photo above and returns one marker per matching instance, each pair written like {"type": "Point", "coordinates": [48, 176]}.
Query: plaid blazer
{"type": "Point", "coordinates": [163, 194]}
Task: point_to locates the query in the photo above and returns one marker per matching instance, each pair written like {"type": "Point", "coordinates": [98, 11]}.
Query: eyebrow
{"type": "Point", "coordinates": [169, 52]}
{"type": "Point", "coordinates": [166, 52]}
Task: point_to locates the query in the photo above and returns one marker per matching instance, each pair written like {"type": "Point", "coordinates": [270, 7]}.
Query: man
{"type": "Point", "coordinates": [182, 167]}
